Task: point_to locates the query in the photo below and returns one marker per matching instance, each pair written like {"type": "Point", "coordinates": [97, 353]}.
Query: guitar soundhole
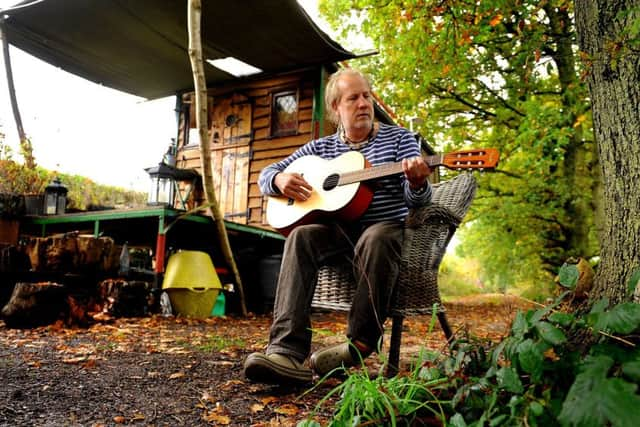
{"type": "Point", "coordinates": [330, 182]}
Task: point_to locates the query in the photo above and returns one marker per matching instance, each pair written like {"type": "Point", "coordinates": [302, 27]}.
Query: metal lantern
{"type": "Point", "coordinates": [164, 186]}
{"type": "Point", "coordinates": [55, 198]}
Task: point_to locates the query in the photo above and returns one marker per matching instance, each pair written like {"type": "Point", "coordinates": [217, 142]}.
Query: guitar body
{"type": "Point", "coordinates": [344, 202]}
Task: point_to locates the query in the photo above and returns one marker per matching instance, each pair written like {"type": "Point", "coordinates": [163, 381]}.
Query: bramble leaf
{"type": "Point", "coordinates": [568, 276]}
{"type": "Point", "coordinates": [520, 326]}
{"type": "Point", "coordinates": [530, 357]}
{"type": "Point", "coordinates": [633, 282]}
{"type": "Point", "coordinates": [632, 370]}
{"type": "Point", "coordinates": [457, 421]}
{"type": "Point", "coordinates": [622, 318]}
{"type": "Point", "coordinates": [550, 333]}
{"type": "Point", "coordinates": [509, 380]}
{"type": "Point", "coordinates": [562, 319]}
{"type": "Point", "coordinates": [595, 400]}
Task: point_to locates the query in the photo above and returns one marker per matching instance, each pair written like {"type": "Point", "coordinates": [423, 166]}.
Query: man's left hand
{"type": "Point", "coordinates": [416, 171]}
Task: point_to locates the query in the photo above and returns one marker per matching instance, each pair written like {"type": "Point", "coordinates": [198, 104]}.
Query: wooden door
{"type": "Point", "coordinates": [231, 135]}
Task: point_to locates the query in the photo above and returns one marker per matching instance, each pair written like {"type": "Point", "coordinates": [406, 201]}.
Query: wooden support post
{"type": "Point", "coordinates": [202, 120]}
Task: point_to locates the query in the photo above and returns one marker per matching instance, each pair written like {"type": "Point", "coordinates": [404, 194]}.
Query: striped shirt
{"type": "Point", "coordinates": [392, 195]}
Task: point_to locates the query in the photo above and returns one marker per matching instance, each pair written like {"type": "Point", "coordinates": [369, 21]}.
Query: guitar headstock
{"type": "Point", "coordinates": [481, 158]}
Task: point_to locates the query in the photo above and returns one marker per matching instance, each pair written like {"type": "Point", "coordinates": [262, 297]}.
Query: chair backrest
{"type": "Point", "coordinates": [427, 234]}
{"type": "Point", "coordinates": [456, 194]}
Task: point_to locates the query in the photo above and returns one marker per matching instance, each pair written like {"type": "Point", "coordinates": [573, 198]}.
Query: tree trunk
{"type": "Point", "coordinates": [25, 145]}
{"type": "Point", "coordinates": [613, 66]}
{"type": "Point", "coordinates": [200, 86]}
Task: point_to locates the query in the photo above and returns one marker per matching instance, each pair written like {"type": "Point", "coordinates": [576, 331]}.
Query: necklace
{"type": "Point", "coordinates": [356, 145]}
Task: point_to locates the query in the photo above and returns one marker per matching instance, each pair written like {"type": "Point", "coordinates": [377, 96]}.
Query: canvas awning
{"type": "Point", "coordinates": [140, 46]}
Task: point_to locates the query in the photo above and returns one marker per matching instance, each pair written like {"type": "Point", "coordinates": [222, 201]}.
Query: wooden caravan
{"type": "Point", "coordinates": [251, 125]}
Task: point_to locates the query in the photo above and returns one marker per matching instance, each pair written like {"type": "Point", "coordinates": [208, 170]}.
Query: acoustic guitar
{"type": "Point", "coordinates": [340, 187]}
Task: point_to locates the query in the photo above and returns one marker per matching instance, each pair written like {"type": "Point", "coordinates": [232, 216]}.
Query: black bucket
{"type": "Point", "coordinates": [269, 268]}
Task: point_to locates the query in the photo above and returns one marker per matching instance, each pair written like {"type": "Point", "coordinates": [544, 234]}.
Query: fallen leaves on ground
{"type": "Point", "coordinates": [175, 371]}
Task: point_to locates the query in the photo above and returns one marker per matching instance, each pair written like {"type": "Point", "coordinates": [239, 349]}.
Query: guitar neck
{"type": "Point", "coordinates": [384, 170]}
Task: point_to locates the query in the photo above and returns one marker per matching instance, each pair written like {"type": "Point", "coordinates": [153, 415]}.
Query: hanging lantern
{"type": "Point", "coordinates": [161, 185]}
{"type": "Point", "coordinates": [55, 198]}
{"type": "Point", "coordinates": [164, 184]}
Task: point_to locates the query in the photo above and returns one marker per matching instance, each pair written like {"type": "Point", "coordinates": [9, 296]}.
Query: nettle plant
{"type": "Point", "coordinates": [536, 376]}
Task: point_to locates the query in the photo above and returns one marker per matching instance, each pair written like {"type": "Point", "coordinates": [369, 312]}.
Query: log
{"type": "Point", "coordinates": [35, 304]}
{"type": "Point", "coordinates": [73, 253]}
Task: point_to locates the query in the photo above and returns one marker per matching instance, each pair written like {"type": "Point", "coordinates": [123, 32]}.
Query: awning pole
{"type": "Point", "coordinates": [25, 145]}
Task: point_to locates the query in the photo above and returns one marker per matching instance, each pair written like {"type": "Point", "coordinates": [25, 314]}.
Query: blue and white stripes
{"type": "Point", "coordinates": [392, 195]}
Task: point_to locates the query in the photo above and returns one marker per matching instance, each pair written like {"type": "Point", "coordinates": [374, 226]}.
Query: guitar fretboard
{"type": "Point", "coordinates": [383, 170]}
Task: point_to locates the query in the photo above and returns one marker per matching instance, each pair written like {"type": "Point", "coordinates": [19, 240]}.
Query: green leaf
{"type": "Point", "coordinates": [530, 357]}
{"type": "Point", "coordinates": [540, 314]}
{"type": "Point", "coordinates": [633, 282]}
{"type": "Point", "coordinates": [520, 325]}
{"type": "Point", "coordinates": [595, 400]}
{"type": "Point", "coordinates": [550, 333]}
{"type": "Point", "coordinates": [600, 306]}
{"type": "Point", "coordinates": [509, 380]}
{"type": "Point", "coordinates": [568, 276]}
{"type": "Point", "coordinates": [536, 408]}
{"type": "Point", "coordinates": [497, 420]}
{"type": "Point", "coordinates": [632, 370]}
{"type": "Point", "coordinates": [457, 421]}
{"type": "Point", "coordinates": [562, 319]}
{"type": "Point", "coordinates": [622, 318]}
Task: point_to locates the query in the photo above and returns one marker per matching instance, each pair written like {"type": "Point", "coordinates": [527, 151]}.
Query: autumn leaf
{"type": "Point", "coordinates": [287, 409]}
{"type": "Point", "coordinates": [579, 120]}
{"type": "Point", "coordinates": [495, 20]}
{"type": "Point", "coordinates": [219, 415]}
{"type": "Point", "coordinates": [268, 399]}
{"type": "Point", "coordinates": [213, 417]}
{"type": "Point", "coordinates": [74, 360]}
{"type": "Point", "coordinates": [256, 407]}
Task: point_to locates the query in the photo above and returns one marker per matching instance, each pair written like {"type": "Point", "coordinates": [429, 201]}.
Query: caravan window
{"type": "Point", "coordinates": [284, 113]}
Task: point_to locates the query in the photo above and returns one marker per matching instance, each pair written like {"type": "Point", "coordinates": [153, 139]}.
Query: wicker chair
{"type": "Point", "coordinates": [428, 231]}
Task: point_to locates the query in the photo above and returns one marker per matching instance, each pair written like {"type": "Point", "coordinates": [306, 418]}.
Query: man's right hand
{"type": "Point", "coordinates": [293, 185]}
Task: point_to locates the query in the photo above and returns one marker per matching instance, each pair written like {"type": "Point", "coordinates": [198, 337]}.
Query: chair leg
{"type": "Point", "coordinates": [444, 323]}
{"type": "Point", "coordinates": [394, 345]}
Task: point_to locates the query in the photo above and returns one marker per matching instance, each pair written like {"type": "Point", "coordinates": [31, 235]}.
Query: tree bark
{"type": "Point", "coordinates": [613, 64]}
{"type": "Point", "coordinates": [25, 145]}
{"type": "Point", "coordinates": [200, 86]}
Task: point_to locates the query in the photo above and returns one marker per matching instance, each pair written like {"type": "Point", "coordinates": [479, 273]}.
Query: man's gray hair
{"type": "Point", "coordinates": [332, 92]}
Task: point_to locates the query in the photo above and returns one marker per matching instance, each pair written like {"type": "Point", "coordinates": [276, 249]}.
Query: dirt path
{"type": "Point", "coordinates": [176, 372]}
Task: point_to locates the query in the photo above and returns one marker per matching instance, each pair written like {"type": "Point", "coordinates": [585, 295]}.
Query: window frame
{"type": "Point", "coordinates": [275, 95]}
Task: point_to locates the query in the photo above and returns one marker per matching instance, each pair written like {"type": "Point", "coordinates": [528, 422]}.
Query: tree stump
{"type": "Point", "coordinates": [35, 304]}
{"type": "Point", "coordinates": [125, 298]}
